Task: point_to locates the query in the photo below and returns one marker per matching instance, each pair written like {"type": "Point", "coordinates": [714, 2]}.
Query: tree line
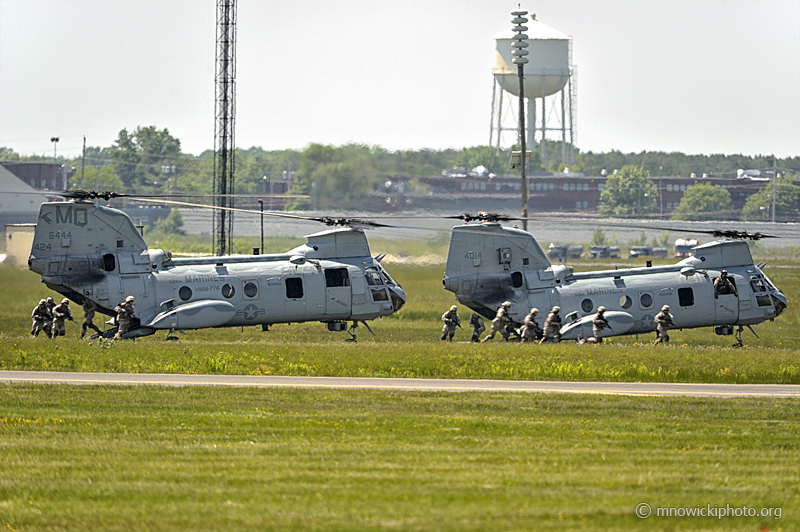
{"type": "Point", "coordinates": [149, 160]}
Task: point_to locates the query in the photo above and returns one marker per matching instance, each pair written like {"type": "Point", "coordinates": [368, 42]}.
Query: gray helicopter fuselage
{"type": "Point", "coordinates": [87, 251]}
{"type": "Point", "coordinates": [488, 264]}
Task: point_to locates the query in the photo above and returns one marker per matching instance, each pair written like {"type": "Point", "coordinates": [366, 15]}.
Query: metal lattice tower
{"type": "Point", "coordinates": [224, 125]}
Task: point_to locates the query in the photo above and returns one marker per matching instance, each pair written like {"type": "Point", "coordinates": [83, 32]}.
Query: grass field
{"type": "Point", "coordinates": [407, 345]}
{"type": "Point", "coordinates": [197, 458]}
{"type": "Point", "coordinates": [148, 458]}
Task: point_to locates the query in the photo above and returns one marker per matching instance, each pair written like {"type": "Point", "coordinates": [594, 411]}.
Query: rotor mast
{"type": "Point", "coordinates": [224, 125]}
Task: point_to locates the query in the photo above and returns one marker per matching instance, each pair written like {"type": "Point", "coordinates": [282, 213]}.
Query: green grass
{"type": "Point", "coordinates": [194, 458]}
{"type": "Point", "coordinates": [406, 345]}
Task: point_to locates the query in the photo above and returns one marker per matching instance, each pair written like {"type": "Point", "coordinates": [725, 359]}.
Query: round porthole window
{"type": "Point", "coordinates": [228, 290]}
{"type": "Point", "coordinates": [587, 305]}
{"type": "Point", "coordinates": [250, 289]}
{"type": "Point", "coordinates": [646, 300]}
{"type": "Point", "coordinates": [185, 293]}
{"type": "Point", "coordinates": [625, 302]}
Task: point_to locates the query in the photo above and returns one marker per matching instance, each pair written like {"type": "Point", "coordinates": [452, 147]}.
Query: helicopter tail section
{"type": "Point", "coordinates": [76, 237]}
{"type": "Point", "coordinates": [489, 263]}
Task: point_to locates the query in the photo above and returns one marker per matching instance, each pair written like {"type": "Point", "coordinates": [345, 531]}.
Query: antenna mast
{"type": "Point", "coordinates": [224, 125]}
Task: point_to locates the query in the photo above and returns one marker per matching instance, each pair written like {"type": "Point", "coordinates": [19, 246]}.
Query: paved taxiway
{"type": "Point", "coordinates": [426, 385]}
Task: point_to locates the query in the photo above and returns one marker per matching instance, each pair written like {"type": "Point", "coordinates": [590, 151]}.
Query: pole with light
{"type": "Point", "coordinates": [519, 45]}
{"type": "Point", "coordinates": [261, 203]}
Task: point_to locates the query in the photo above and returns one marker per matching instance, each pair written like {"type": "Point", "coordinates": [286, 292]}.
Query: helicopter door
{"type": "Point", "coordinates": [727, 307]}
{"type": "Point", "coordinates": [338, 293]}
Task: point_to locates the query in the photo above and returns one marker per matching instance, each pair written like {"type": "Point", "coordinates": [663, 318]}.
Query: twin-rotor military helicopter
{"type": "Point", "coordinates": [87, 251]}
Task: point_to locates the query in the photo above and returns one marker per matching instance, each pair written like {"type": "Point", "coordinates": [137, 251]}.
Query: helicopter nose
{"type": "Point", "coordinates": [398, 297]}
{"type": "Point", "coordinates": [781, 302]}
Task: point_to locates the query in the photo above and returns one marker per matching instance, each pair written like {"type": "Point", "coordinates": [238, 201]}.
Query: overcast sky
{"type": "Point", "coordinates": [700, 76]}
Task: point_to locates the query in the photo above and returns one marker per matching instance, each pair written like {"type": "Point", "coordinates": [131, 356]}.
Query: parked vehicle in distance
{"type": "Point", "coordinates": [660, 253]}
{"type": "Point", "coordinates": [683, 248]}
{"type": "Point", "coordinates": [640, 251]}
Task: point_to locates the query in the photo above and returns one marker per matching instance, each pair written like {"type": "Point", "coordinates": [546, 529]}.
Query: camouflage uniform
{"type": "Point", "coordinates": [552, 326]}
{"type": "Point", "coordinates": [88, 315]}
{"type": "Point", "coordinates": [40, 316]}
{"type": "Point", "coordinates": [599, 322]}
{"type": "Point", "coordinates": [663, 323]}
{"type": "Point", "coordinates": [476, 322]}
{"type": "Point", "coordinates": [530, 330]}
{"type": "Point", "coordinates": [724, 286]}
{"type": "Point", "coordinates": [60, 313]}
{"type": "Point", "coordinates": [451, 321]}
{"type": "Point", "coordinates": [48, 324]}
{"type": "Point", "coordinates": [499, 323]}
{"type": "Point", "coordinates": [124, 315]}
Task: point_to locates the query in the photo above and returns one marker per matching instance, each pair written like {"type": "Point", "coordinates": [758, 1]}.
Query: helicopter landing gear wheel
{"type": "Point", "coordinates": [352, 331]}
{"type": "Point", "coordinates": [739, 342]}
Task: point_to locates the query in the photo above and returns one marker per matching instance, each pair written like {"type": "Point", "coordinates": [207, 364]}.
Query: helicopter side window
{"type": "Point", "coordinates": [516, 279]}
{"type": "Point", "coordinates": [625, 302]}
{"type": "Point", "coordinates": [228, 290]}
{"type": "Point", "coordinates": [763, 301]}
{"type": "Point", "coordinates": [109, 262]}
{"type": "Point", "coordinates": [379, 294]}
{"type": "Point", "coordinates": [185, 293]}
{"type": "Point", "coordinates": [685, 297]}
{"type": "Point", "coordinates": [294, 287]}
{"type": "Point", "coordinates": [587, 305]}
{"type": "Point", "coordinates": [337, 277]}
{"type": "Point", "coordinates": [646, 300]}
{"type": "Point", "coordinates": [250, 290]}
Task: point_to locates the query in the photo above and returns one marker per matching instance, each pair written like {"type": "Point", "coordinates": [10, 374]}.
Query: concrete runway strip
{"type": "Point", "coordinates": [423, 385]}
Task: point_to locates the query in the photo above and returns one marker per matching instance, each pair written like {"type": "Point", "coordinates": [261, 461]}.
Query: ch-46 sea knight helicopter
{"type": "Point", "coordinates": [83, 250]}
{"type": "Point", "coordinates": [488, 264]}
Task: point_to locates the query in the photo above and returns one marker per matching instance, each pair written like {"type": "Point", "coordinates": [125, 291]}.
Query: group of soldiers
{"type": "Point", "coordinates": [51, 318]}
{"type": "Point", "coordinates": [530, 330]}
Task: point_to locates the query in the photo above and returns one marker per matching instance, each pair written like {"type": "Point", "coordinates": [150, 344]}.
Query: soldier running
{"type": "Point", "coordinates": [552, 326]}
{"type": "Point", "coordinates": [499, 323]}
{"type": "Point", "coordinates": [451, 321]}
{"type": "Point", "coordinates": [599, 322]}
{"type": "Point", "coordinates": [60, 313]}
{"type": "Point", "coordinates": [124, 316]}
{"type": "Point", "coordinates": [724, 286]}
{"type": "Point", "coordinates": [40, 317]}
{"type": "Point", "coordinates": [530, 330]}
{"type": "Point", "coordinates": [476, 322]}
{"type": "Point", "coordinates": [663, 323]}
{"type": "Point", "coordinates": [88, 316]}
{"type": "Point", "coordinates": [48, 325]}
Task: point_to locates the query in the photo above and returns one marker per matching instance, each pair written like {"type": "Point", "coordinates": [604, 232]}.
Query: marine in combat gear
{"type": "Point", "coordinates": [48, 325]}
{"type": "Point", "coordinates": [61, 313]}
{"type": "Point", "coordinates": [724, 286]}
{"type": "Point", "coordinates": [89, 309]}
{"type": "Point", "coordinates": [499, 322]}
{"type": "Point", "coordinates": [39, 317]}
{"type": "Point", "coordinates": [599, 322]}
{"type": "Point", "coordinates": [663, 322]}
{"type": "Point", "coordinates": [451, 321]}
{"type": "Point", "coordinates": [530, 330]}
{"type": "Point", "coordinates": [124, 316]}
{"type": "Point", "coordinates": [476, 322]}
{"type": "Point", "coordinates": [552, 326]}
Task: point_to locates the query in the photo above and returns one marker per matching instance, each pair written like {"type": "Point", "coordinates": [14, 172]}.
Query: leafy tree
{"type": "Point", "coordinates": [704, 202]}
{"type": "Point", "coordinates": [628, 193]}
{"type": "Point", "coordinates": [334, 177]}
{"type": "Point", "coordinates": [172, 224]}
{"type": "Point", "coordinates": [759, 205]}
{"type": "Point", "coordinates": [8, 154]}
{"type": "Point", "coordinates": [598, 237]}
{"type": "Point", "coordinates": [99, 178]}
{"type": "Point", "coordinates": [139, 156]}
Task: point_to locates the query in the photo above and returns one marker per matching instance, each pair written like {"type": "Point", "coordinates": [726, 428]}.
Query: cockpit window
{"type": "Point", "coordinates": [374, 277]}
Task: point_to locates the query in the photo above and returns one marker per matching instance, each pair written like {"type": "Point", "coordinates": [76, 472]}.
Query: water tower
{"type": "Point", "coordinates": [549, 89]}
